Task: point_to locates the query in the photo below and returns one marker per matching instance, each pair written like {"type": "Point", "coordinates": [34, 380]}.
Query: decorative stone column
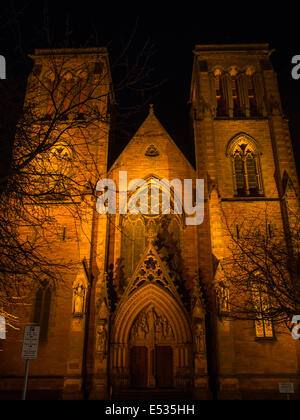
{"type": "Point", "coordinates": [201, 385]}
{"type": "Point", "coordinates": [73, 379]}
{"type": "Point", "coordinates": [100, 389]}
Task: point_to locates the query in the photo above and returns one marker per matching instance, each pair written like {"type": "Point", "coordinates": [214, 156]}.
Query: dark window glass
{"type": "Point", "coordinates": [251, 173]}
{"type": "Point", "coordinates": [42, 309]}
{"type": "Point", "coordinates": [239, 175]}
{"type": "Point", "coordinates": [133, 246]}
{"type": "Point", "coordinates": [252, 98]}
{"type": "Point", "coordinates": [236, 101]}
{"type": "Point", "coordinates": [221, 106]}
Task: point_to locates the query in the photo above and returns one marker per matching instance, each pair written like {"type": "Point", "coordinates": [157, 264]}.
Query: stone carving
{"type": "Point", "coordinates": [151, 231]}
{"type": "Point", "coordinates": [222, 292]}
{"type": "Point", "coordinates": [151, 272]}
{"type": "Point", "coordinates": [198, 301]}
{"type": "Point", "coordinates": [79, 293]}
{"type": "Point", "coordinates": [152, 151]}
{"type": "Point", "coordinates": [152, 322]}
{"type": "Point", "coordinates": [141, 326]}
{"type": "Point", "coordinates": [101, 340]}
{"type": "Point", "coordinates": [103, 303]}
{"type": "Point", "coordinates": [103, 310]}
{"type": "Point", "coordinates": [199, 337]}
{"type": "Point", "coordinates": [162, 327]}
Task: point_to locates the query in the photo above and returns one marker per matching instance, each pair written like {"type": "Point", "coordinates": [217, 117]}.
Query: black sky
{"type": "Point", "coordinates": [173, 29]}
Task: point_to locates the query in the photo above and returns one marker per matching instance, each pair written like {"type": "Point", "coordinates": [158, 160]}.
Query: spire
{"type": "Point", "coordinates": [151, 109]}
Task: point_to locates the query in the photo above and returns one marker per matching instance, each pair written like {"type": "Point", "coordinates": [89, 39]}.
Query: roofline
{"type": "Point", "coordinates": [92, 53]}
{"type": "Point", "coordinates": [263, 48]}
{"type": "Point", "coordinates": [113, 165]}
{"type": "Point", "coordinates": [70, 51]}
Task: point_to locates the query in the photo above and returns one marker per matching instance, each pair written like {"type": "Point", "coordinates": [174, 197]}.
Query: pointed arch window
{"type": "Point", "coordinates": [238, 93]}
{"type": "Point", "coordinates": [220, 94]}
{"type": "Point", "coordinates": [263, 326]}
{"type": "Point", "coordinates": [246, 169]}
{"type": "Point", "coordinates": [252, 96]}
{"type": "Point", "coordinates": [132, 245]}
{"type": "Point", "coordinates": [66, 94]}
{"type": "Point", "coordinates": [237, 112]}
{"type": "Point", "coordinates": [239, 174]}
{"type": "Point", "coordinates": [41, 314]}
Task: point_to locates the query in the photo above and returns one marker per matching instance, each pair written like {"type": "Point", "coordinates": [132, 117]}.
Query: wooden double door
{"type": "Point", "coordinates": [159, 361]}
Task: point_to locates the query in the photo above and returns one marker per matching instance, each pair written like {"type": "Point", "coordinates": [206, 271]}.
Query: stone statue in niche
{"type": "Point", "coordinates": [101, 340]}
{"type": "Point", "coordinates": [199, 337]}
{"type": "Point", "coordinates": [78, 300]}
{"type": "Point", "coordinates": [222, 292]}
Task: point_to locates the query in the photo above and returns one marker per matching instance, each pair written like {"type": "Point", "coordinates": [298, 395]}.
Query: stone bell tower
{"type": "Point", "coordinates": [73, 87]}
{"type": "Point", "coordinates": [244, 153]}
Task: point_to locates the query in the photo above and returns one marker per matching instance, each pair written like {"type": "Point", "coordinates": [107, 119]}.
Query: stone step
{"type": "Point", "coordinates": [152, 394]}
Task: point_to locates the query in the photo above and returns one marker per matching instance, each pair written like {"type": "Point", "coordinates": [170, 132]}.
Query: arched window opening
{"type": "Point", "coordinates": [239, 93]}
{"type": "Point", "coordinates": [66, 94]}
{"type": "Point", "coordinates": [132, 244]}
{"type": "Point", "coordinates": [252, 96]}
{"type": "Point", "coordinates": [42, 309]}
{"type": "Point", "coordinates": [239, 174]}
{"type": "Point", "coordinates": [246, 168]}
{"type": "Point", "coordinates": [252, 175]}
{"type": "Point", "coordinates": [221, 102]}
{"type": "Point", "coordinates": [237, 112]}
{"type": "Point", "coordinates": [263, 325]}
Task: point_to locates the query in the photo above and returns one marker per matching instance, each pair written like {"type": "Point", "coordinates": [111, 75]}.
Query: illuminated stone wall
{"type": "Point", "coordinates": [244, 367]}
{"type": "Point", "coordinates": [82, 324]}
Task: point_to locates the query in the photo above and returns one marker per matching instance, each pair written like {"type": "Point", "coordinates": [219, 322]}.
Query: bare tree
{"type": "Point", "coordinates": [67, 116]}
{"type": "Point", "coordinates": [261, 269]}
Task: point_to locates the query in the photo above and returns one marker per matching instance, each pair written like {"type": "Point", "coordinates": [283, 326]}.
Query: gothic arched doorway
{"type": "Point", "coordinates": [151, 341]}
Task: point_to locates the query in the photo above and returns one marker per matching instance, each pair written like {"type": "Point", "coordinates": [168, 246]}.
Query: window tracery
{"type": "Point", "coordinates": [238, 93]}
{"type": "Point", "coordinates": [246, 169]}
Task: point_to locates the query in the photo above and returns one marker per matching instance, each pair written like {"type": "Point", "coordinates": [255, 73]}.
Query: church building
{"type": "Point", "coordinates": [143, 312]}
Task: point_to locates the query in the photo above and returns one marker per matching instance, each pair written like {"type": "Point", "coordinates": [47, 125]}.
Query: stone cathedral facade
{"type": "Point", "coordinates": [133, 318]}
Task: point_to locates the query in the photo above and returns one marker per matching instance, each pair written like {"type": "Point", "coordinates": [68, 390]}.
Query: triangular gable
{"type": "Point", "coordinates": [219, 275]}
{"type": "Point", "coordinates": [150, 270]}
{"type": "Point", "coordinates": [152, 130]}
{"type": "Point", "coordinates": [289, 190]}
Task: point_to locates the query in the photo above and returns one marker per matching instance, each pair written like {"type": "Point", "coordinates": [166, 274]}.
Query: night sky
{"type": "Point", "coordinates": [173, 29]}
